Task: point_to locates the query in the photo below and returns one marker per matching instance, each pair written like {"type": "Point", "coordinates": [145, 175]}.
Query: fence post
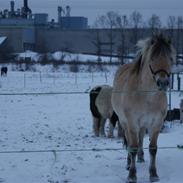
{"type": "Point", "coordinates": [54, 78]}
{"type": "Point", "coordinates": [178, 82]}
{"type": "Point", "coordinates": [76, 78]}
{"type": "Point", "coordinates": [40, 77]}
{"type": "Point", "coordinates": [92, 77]}
{"type": "Point", "coordinates": [106, 77]}
{"type": "Point", "coordinates": [172, 80]}
{"type": "Point", "coordinates": [170, 103]}
{"type": "Point", "coordinates": [24, 80]}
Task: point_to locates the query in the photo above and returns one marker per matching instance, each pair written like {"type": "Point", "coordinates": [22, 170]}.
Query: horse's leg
{"type": "Point", "coordinates": [132, 150]}
{"type": "Point", "coordinates": [140, 154]}
{"type": "Point", "coordinates": [111, 129]}
{"type": "Point", "coordinates": [120, 131]}
{"type": "Point", "coordinates": [102, 127]}
{"type": "Point", "coordinates": [96, 126]}
{"type": "Point", "coordinates": [153, 150]}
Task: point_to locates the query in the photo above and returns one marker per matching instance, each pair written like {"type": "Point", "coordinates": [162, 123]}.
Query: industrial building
{"type": "Point", "coordinates": [26, 30]}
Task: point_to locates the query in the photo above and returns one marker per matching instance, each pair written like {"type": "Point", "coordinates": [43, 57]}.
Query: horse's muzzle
{"type": "Point", "coordinates": [163, 84]}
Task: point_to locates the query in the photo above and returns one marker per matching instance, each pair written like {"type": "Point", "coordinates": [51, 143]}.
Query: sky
{"type": "Point", "coordinates": [93, 8]}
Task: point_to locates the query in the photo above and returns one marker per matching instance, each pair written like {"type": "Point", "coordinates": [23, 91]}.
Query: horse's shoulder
{"type": "Point", "coordinates": [123, 69]}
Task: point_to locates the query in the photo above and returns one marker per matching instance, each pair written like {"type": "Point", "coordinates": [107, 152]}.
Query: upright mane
{"type": "Point", "coordinates": [157, 46]}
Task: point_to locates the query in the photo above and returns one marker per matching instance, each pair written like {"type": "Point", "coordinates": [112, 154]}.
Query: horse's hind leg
{"type": "Point", "coordinates": [111, 129]}
{"type": "Point", "coordinates": [102, 127]}
{"type": "Point", "coordinates": [153, 150]}
{"type": "Point", "coordinates": [96, 126]}
{"type": "Point", "coordinates": [140, 154]}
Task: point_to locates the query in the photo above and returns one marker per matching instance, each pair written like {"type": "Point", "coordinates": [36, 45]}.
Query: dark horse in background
{"type": "Point", "coordinates": [4, 71]}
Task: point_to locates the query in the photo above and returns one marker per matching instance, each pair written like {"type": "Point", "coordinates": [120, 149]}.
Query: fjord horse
{"type": "Point", "coordinates": [101, 110]}
{"type": "Point", "coordinates": [139, 99]}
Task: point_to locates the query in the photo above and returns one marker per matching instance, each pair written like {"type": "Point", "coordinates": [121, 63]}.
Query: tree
{"type": "Point", "coordinates": [136, 23]}
{"type": "Point", "coordinates": [154, 24]}
{"type": "Point", "coordinates": [179, 33]}
{"type": "Point", "coordinates": [122, 24]}
{"type": "Point", "coordinates": [108, 21]}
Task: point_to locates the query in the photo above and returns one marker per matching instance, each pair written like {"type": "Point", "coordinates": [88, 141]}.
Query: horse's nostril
{"type": "Point", "coordinates": [167, 83]}
{"type": "Point", "coordinates": [158, 82]}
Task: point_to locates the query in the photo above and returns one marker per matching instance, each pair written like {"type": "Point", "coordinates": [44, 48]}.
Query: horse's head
{"type": "Point", "coordinates": [161, 58]}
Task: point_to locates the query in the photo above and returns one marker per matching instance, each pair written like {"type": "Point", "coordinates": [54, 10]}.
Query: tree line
{"type": "Point", "coordinates": [132, 28]}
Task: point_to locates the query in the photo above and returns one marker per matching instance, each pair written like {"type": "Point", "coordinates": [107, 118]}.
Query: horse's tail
{"type": "Point", "coordinates": [125, 144]}
{"type": "Point", "coordinates": [93, 96]}
{"type": "Point", "coordinates": [114, 119]}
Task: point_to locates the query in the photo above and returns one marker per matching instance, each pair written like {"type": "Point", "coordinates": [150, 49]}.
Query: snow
{"type": "Point", "coordinates": [34, 56]}
{"type": "Point", "coordinates": [2, 39]}
{"type": "Point", "coordinates": [63, 122]}
{"type": "Point", "coordinates": [62, 56]}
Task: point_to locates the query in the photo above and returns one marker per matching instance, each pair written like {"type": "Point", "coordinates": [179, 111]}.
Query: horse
{"type": "Point", "coordinates": [173, 114]}
{"type": "Point", "coordinates": [101, 110]}
{"type": "Point", "coordinates": [4, 71]}
{"type": "Point", "coordinates": [139, 99]}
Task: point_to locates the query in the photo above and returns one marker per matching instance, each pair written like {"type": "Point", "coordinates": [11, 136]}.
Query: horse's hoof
{"type": "Point", "coordinates": [110, 136]}
{"type": "Point", "coordinates": [154, 179]}
{"type": "Point", "coordinates": [140, 160]}
{"type": "Point", "coordinates": [127, 167]}
{"type": "Point", "coordinates": [131, 180]}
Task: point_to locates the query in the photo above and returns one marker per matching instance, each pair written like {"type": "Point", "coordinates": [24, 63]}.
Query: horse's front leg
{"type": "Point", "coordinates": [140, 154]}
{"type": "Point", "coordinates": [132, 150]}
{"type": "Point", "coordinates": [153, 150]}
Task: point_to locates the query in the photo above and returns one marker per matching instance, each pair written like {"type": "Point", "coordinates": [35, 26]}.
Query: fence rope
{"type": "Point", "coordinates": [88, 92]}
{"type": "Point", "coordinates": [180, 147]}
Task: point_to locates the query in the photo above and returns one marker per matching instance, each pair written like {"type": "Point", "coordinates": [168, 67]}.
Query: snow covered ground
{"type": "Point", "coordinates": [63, 122]}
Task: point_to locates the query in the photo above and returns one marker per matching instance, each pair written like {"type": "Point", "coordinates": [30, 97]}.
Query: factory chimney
{"type": "Point", "coordinates": [68, 11]}
{"type": "Point", "coordinates": [59, 13]}
{"type": "Point", "coordinates": [26, 3]}
{"type": "Point", "coordinates": [12, 8]}
{"type": "Point", "coordinates": [26, 10]}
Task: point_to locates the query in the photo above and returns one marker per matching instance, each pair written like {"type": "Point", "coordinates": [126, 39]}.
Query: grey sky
{"type": "Point", "coordinates": [92, 8]}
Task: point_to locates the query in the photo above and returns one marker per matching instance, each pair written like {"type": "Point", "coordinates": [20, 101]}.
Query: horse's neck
{"type": "Point", "coordinates": [147, 82]}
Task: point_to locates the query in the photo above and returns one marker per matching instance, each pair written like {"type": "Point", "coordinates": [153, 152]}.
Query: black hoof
{"type": "Point", "coordinates": [131, 180]}
{"type": "Point", "coordinates": [140, 160]}
{"type": "Point", "coordinates": [127, 167]}
{"type": "Point", "coordinates": [154, 179]}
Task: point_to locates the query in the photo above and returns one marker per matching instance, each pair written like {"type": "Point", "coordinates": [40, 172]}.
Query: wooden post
{"type": "Point", "coordinates": [24, 80]}
{"type": "Point", "coordinates": [76, 79]}
{"type": "Point", "coordinates": [172, 80]}
{"type": "Point", "coordinates": [92, 77]}
{"type": "Point", "coordinates": [106, 77]}
{"type": "Point", "coordinates": [178, 83]}
{"type": "Point", "coordinates": [40, 77]}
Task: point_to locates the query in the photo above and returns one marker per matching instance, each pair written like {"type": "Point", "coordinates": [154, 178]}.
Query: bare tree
{"type": "Point", "coordinates": [97, 42]}
{"type": "Point", "coordinates": [136, 23]}
{"type": "Point", "coordinates": [179, 34]}
{"type": "Point", "coordinates": [122, 23]}
{"type": "Point", "coordinates": [154, 23]}
{"type": "Point", "coordinates": [108, 21]}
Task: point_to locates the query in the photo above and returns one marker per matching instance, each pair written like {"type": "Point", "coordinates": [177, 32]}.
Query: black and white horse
{"type": "Point", "coordinates": [101, 109]}
{"type": "Point", "coordinates": [4, 71]}
{"type": "Point", "coordinates": [173, 114]}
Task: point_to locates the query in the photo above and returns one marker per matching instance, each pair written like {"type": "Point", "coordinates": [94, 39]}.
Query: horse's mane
{"type": "Point", "coordinates": [159, 46]}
